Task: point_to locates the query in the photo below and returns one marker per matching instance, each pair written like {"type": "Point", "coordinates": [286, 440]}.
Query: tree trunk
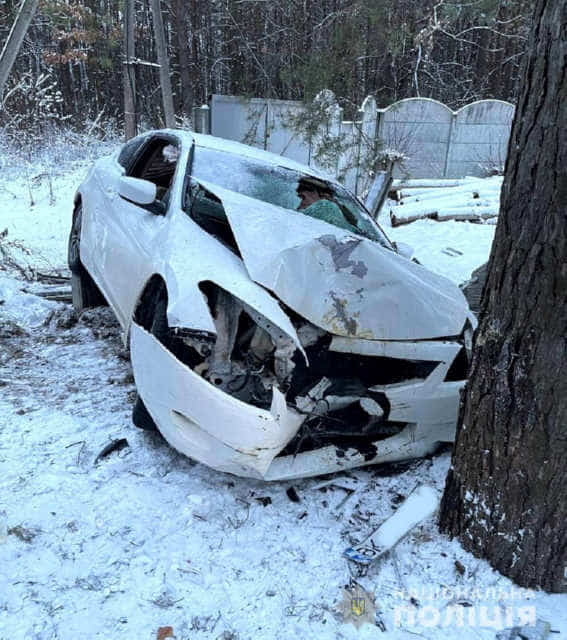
{"type": "Point", "coordinates": [15, 39]}
{"type": "Point", "coordinates": [165, 79]}
{"type": "Point", "coordinates": [129, 71]}
{"type": "Point", "coordinates": [180, 17]}
{"type": "Point", "coordinates": [505, 496]}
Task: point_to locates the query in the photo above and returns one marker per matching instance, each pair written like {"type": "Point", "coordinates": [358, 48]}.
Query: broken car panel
{"type": "Point", "coordinates": [265, 342]}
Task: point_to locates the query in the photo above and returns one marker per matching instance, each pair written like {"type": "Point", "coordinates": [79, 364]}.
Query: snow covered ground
{"type": "Point", "coordinates": [121, 545]}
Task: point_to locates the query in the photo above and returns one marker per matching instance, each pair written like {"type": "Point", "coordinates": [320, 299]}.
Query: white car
{"type": "Point", "coordinates": [265, 342]}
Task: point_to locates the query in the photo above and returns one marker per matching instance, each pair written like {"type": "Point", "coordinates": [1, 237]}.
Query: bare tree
{"type": "Point", "coordinates": [165, 80]}
{"type": "Point", "coordinates": [505, 495]}
{"type": "Point", "coordinates": [15, 39]}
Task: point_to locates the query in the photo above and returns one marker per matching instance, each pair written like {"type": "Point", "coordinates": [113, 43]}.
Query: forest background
{"type": "Point", "coordinates": [70, 67]}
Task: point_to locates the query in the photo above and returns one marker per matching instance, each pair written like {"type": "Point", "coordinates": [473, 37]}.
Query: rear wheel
{"type": "Point", "coordinates": [85, 292]}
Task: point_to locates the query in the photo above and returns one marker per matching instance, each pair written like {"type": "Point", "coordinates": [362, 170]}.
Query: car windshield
{"type": "Point", "coordinates": [279, 186]}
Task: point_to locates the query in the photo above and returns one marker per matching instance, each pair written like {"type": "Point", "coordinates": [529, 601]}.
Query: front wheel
{"type": "Point", "coordinates": [74, 244]}
{"type": "Point", "coordinates": [158, 328]}
{"type": "Point", "coordinates": [141, 416]}
{"type": "Point", "coordinates": [84, 291]}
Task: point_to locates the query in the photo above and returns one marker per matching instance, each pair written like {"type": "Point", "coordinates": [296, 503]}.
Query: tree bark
{"type": "Point", "coordinates": [180, 17]}
{"type": "Point", "coordinates": [505, 496]}
{"type": "Point", "coordinates": [165, 79]}
{"type": "Point", "coordinates": [129, 71]}
{"type": "Point", "coordinates": [15, 38]}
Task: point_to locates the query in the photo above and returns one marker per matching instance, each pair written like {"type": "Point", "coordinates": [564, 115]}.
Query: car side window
{"type": "Point", "coordinates": [156, 163]}
{"type": "Point", "coordinates": [128, 152]}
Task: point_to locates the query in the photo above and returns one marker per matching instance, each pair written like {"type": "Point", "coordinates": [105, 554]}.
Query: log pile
{"type": "Point", "coordinates": [466, 199]}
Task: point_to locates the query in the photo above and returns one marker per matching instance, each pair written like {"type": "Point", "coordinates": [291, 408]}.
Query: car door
{"type": "Point", "coordinates": [129, 245]}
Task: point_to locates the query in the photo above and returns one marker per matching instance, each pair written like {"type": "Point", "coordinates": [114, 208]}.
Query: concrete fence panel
{"type": "Point", "coordinates": [283, 138]}
{"type": "Point", "coordinates": [239, 119]}
{"type": "Point", "coordinates": [419, 128]}
{"type": "Point", "coordinates": [436, 142]}
{"type": "Point", "coordinates": [480, 138]}
{"type": "Point", "coordinates": [349, 160]}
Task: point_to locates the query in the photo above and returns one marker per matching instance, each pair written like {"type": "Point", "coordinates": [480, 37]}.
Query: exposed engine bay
{"type": "Point", "coordinates": [340, 394]}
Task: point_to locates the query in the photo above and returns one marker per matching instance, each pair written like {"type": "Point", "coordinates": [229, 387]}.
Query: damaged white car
{"type": "Point", "coordinates": [275, 332]}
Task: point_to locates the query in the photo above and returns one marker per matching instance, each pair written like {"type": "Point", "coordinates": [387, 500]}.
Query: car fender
{"type": "Point", "coordinates": [194, 257]}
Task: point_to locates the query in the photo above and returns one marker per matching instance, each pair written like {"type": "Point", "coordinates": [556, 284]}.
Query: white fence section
{"type": "Point", "coordinates": [261, 123]}
{"type": "Point", "coordinates": [435, 141]}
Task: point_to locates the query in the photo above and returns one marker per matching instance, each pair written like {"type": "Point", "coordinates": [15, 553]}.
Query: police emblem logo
{"type": "Point", "coordinates": [357, 606]}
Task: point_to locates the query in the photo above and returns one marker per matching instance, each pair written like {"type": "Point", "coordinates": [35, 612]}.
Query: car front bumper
{"type": "Point", "coordinates": [228, 435]}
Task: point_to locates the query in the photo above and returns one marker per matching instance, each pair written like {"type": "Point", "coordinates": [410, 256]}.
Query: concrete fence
{"type": "Point", "coordinates": [434, 141]}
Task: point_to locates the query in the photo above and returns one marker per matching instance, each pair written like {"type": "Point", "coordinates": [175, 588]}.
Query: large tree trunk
{"type": "Point", "coordinates": [15, 39]}
{"type": "Point", "coordinates": [506, 494]}
{"type": "Point", "coordinates": [164, 77]}
{"type": "Point", "coordinates": [129, 70]}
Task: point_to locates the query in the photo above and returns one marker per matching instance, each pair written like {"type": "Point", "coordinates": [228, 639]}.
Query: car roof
{"type": "Point", "coordinates": [231, 146]}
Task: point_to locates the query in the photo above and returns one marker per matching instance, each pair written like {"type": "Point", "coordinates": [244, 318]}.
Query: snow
{"type": "Point", "coordinates": [145, 538]}
{"type": "Point", "coordinates": [431, 241]}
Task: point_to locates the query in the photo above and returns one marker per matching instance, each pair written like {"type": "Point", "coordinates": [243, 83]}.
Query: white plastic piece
{"type": "Point", "coordinates": [419, 505]}
{"type": "Point", "coordinates": [409, 443]}
{"type": "Point", "coordinates": [443, 351]}
{"type": "Point", "coordinates": [371, 407]}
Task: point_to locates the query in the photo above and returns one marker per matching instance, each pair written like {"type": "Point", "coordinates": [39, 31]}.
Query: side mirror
{"type": "Point", "coordinates": [405, 250]}
{"type": "Point", "coordinates": [136, 190]}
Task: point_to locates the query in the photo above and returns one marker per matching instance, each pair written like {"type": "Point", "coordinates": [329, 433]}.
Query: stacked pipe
{"type": "Point", "coordinates": [466, 199]}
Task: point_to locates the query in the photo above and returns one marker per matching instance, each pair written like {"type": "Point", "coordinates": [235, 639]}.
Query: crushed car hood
{"type": "Point", "coordinates": [343, 283]}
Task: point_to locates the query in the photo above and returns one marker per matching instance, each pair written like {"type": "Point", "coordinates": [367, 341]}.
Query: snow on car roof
{"type": "Point", "coordinates": [231, 146]}
{"type": "Point", "coordinates": [238, 148]}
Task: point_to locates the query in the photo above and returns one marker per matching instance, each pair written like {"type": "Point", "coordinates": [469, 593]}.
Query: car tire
{"type": "Point", "coordinates": [140, 415]}
{"type": "Point", "coordinates": [85, 293]}
{"type": "Point", "coordinates": [73, 246]}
